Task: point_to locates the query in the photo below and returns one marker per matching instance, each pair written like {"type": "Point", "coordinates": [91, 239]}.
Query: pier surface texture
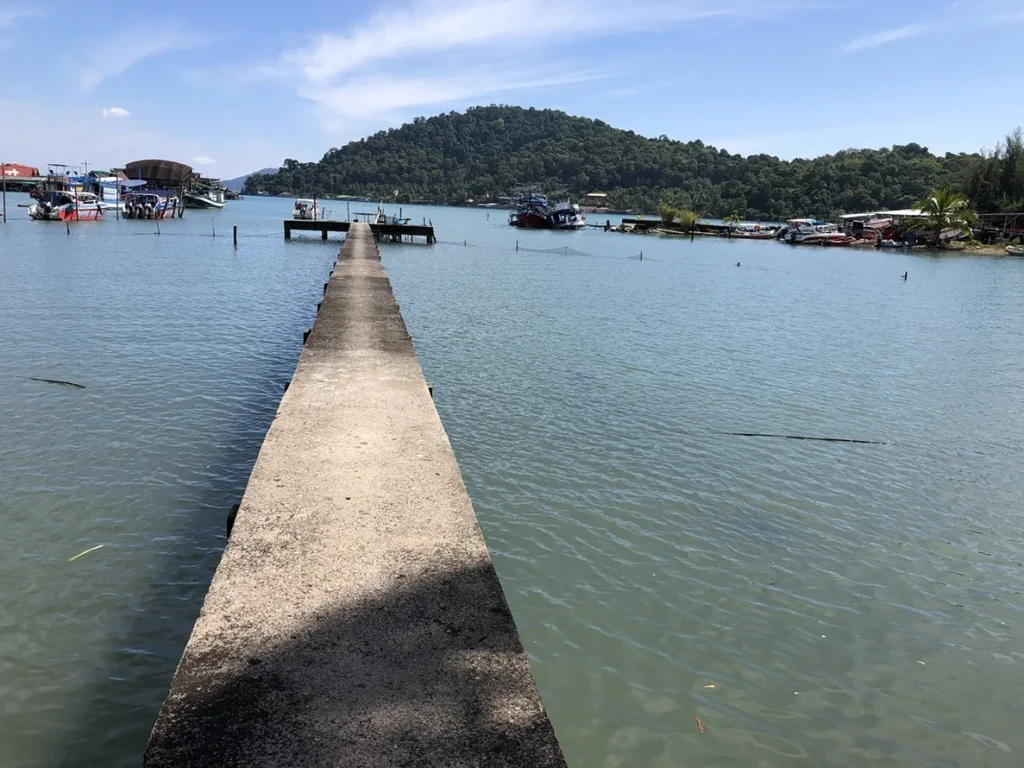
{"type": "Point", "coordinates": [355, 618]}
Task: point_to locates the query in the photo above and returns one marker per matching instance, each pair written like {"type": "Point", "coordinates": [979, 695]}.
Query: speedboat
{"type": "Point", "coordinates": [210, 199]}
{"type": "Point", "coordinates": [67, 205]}
{"type": "Point", "coordinates": [811, 232]}
{"type": "Point", "coordinates": [150, 205]}
{"type": "Point", "coordinates": [305, 209]}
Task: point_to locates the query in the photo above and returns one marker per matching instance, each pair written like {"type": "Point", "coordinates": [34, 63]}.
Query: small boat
{"type": "Point", "coordinates": [1014, 250]}
{"type": "Point", "coordinates": [531, 213]}
{"type": "Point", "coordinates": [751, 233]}
{"type": "Point", "coordinates": [67, 205]}
{"type": "Point", "coordinates": [567, 216]}
{"type": "Point", "coordinates": [210, 199]}
{"type": "Point", "coordinates": [151, 204]}
{"type": "Point", "coordinates": [811, 232]}
{"type": "Point", "coordinates": [305, 209]}
{"type": "Point", "coordinates": [892, 244]}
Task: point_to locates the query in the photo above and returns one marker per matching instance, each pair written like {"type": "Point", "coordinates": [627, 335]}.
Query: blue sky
{"type": "Point", "coordinates": [230, 88]}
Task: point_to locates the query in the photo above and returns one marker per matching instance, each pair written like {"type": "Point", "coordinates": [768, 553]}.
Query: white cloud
{"type": "Point", "coordinates": [203, 160]}
{"type": "Point", "coordinates": [115, 112]}
{"type": "Point", "coordinates": [129, 47]}
{"type": "Point", "coordinates": [952, 19]}
{"type": "Point", "coordinates": [11, 13]}
{"type": "Point", "coordinates": [433, 26]}
{"type": "Point", "coordinates": [362, 73]}
{"type": "Point", "coordinates": [885, 37]}
{"type": "Point", "coordinates": [361, 98]}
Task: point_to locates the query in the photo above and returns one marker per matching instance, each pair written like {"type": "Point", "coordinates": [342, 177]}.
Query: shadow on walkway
{"type": "Point", "coordinates": [432, 673]}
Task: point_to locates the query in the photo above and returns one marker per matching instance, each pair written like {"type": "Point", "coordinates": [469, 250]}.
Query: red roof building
{"type": "Point", "coordinates": [16, 170]}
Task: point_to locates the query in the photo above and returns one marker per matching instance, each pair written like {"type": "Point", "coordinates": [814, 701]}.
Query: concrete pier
{"type": "Point", "coordinates": [355, 618]}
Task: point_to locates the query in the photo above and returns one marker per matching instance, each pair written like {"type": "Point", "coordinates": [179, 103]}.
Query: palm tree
{"type": "Point", "coordinates": [943, 210]}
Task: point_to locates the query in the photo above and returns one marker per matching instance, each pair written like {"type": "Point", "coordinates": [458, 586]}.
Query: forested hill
{"type": "Point", "coordinates": [491, 151]}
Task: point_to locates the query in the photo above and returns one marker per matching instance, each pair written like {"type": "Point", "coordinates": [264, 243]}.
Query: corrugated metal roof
{"type": "Point", "coordinates": [159, 171]}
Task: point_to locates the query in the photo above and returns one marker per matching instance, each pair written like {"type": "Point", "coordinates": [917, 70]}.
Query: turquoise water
{"type": "Point", "coordinates": [849, 604]}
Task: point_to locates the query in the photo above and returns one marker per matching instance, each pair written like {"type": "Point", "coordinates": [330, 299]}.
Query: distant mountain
{"type": "Point", "coordinates": [490, 152]}
{"type": "Point", "coordinates": [239, 183]}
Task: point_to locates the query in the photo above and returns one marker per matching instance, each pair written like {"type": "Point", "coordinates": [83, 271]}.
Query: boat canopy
{"type": "Point", "coordinates": [909, 212]}
{"type": "Point", "coordinates": [159, 172]}
{"type": "Point", "coordinates": [129, 184]}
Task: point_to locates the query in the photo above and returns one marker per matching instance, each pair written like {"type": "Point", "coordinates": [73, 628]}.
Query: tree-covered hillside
{"type": "Point", "coordinates": [491, 151]}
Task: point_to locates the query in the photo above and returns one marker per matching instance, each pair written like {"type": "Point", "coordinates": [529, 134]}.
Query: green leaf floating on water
{"type": "Point", "coordinates": [86, 552]}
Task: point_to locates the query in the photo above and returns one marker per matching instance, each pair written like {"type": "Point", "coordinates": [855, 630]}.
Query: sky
{"type": "Point", "coordinates": [230, 88]}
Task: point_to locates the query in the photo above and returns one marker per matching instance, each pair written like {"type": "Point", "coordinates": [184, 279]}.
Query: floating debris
{"type": "Point", "coordinates": [86, 552]}
{"type": "Point", "coordinates": [700, 726]}
{"type": "Point", "coordinates": [804, 437]}
{"type": "Point", "coordinates": [54, 381]}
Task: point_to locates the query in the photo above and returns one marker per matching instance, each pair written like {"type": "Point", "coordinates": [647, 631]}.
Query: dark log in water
{"type": "Point", "coordinates": [54, 381]}
{"type": "Point", "coordinates": [803, 437]}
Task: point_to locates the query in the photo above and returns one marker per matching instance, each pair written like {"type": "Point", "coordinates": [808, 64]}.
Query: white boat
{"type": "Point", "coordinates": [212, 199]}
{"type": "Point", "coordinates": [1014, 250]}
{"type": "Point", "coordinates": [567, 215]}
{"type": "Point", "coordinates": [67, 205]}
{"type": "Point", "coordinates": [811, 232]}
{"type": "Point", "coordinates": [306, 209]}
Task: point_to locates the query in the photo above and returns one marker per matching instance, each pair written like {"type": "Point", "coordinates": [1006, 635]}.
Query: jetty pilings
{"type": "Point", "coordinates": [355, 617]}
{"type": "Point", "coordinates": [383, 231]}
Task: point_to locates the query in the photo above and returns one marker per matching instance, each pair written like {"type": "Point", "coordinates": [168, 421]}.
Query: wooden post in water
{"type": "Point", "coordinates": [3, 172]}
{"type": "Point", "coordinates": [234, 234]}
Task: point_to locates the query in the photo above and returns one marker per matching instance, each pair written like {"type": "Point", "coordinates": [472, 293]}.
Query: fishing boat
{"type": "Point", "coordinates": [1014, 250]}
{"type": "Point", "coordinates": [531, 213]}
{"type": "Point", "coordinates": [67, 205]}
{"type": "Point", "coordinates": [306, 210]}
{"type": "Point", "coordinates": [150, 204]}
{"type": "Point", "coordinates": [567, 215]}
{"type": "Point", "coordinates": [811, 232]}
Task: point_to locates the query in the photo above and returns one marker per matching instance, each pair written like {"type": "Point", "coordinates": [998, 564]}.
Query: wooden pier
{"type": "Point", "coordinates": [394, 233]}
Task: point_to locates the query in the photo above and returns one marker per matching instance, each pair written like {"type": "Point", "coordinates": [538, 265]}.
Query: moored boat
{"type": "Point", "coordinates": [212, 199]}
{"type": "Point", "coordinates": [150, 204]}
{"type": "Point", "coordinates": [531, 213]}
{"type": "Point", "coordinates": [567, 215]}
{"type": "Point", "coordinates": [305, 209]}
{"type": "Point", "coordinates": [67, 205]}
{"type": "Point", "coordinates": [1014, 250]}
{"type": "Point", "coordinates": [811, 232]}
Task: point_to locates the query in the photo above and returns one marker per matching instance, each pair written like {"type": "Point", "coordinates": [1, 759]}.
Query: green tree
{"type": "Point", "coordinates": [495, 151]}
{"type": "Point", "coordinates": [943, 210]}
{"type": "Point", "coordinates": [667, 213]}
{"type": "Point", "coordinates": [688, 219]}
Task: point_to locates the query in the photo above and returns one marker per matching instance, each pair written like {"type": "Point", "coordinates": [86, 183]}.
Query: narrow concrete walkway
{"type": "Point", "coordinates": [355, 618]}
